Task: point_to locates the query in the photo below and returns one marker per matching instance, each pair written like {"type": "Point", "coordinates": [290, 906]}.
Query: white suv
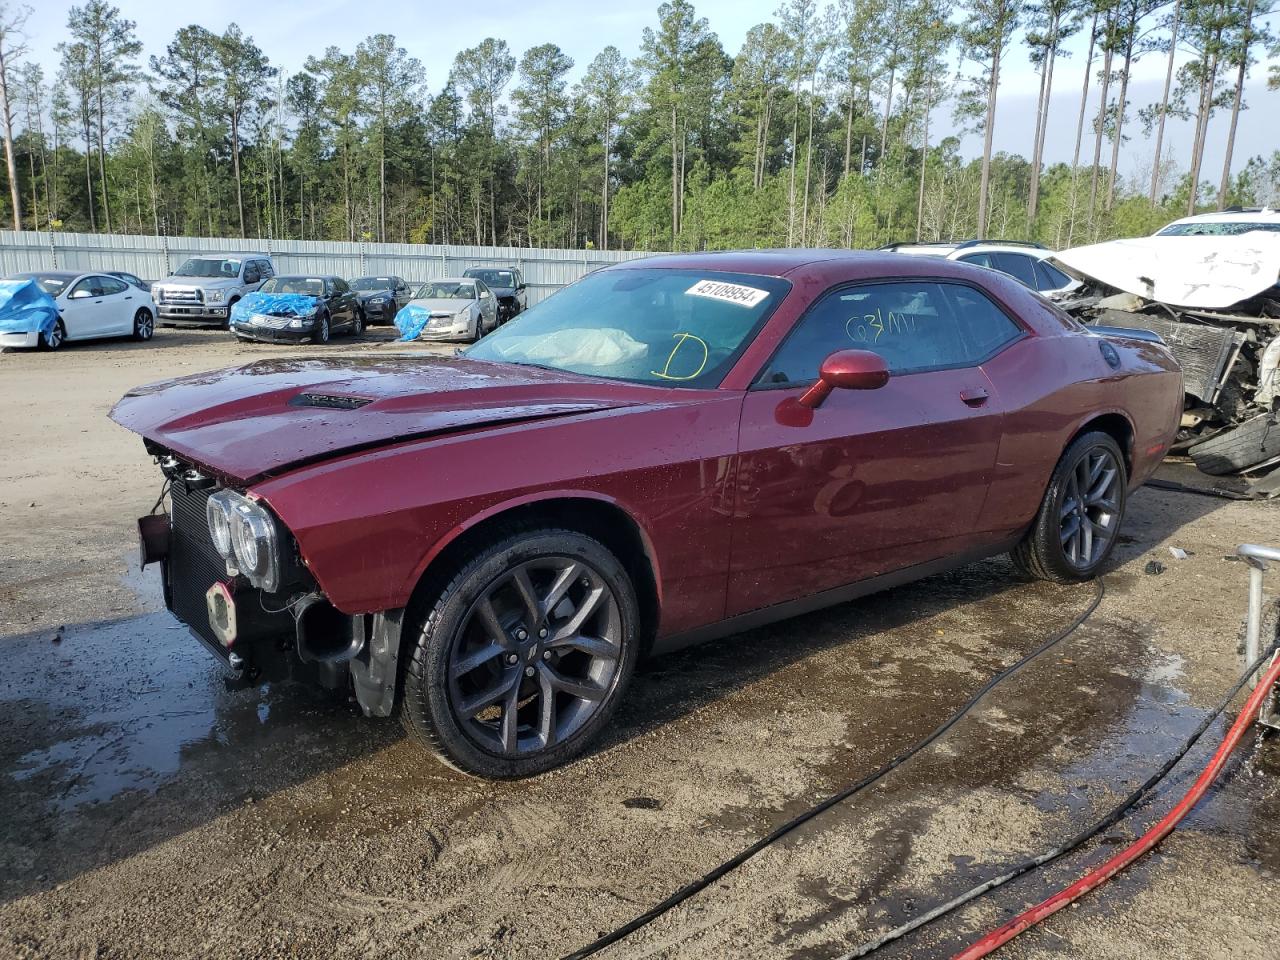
{"type": "Point", "coordinates": [1225, 223]}
{"type": "Point", "coordinates": [1025, 262]}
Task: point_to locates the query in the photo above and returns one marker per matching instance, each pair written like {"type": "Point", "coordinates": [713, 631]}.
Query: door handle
{"type": "Point", "coordinates": [129, 297]}
{"type": "Point", "coordinates": [974, 396]}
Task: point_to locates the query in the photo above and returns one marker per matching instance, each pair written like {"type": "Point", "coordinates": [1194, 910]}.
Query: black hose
{"type": "Point", "coordinates": [1080, 838]}
{"type": "Point", "coordinates": [727, 866]}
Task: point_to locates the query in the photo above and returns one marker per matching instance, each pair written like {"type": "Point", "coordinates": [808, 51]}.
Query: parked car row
{"type": "Point", "coordinates": [245, 293]}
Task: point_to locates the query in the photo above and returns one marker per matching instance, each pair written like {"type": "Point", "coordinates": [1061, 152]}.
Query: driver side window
{"type": "Point", "coordinates": [88, 287]}
{"type": "Point", "coordinates": [914, 325]}
{"type": "Point", "coordinates": [252, 274]}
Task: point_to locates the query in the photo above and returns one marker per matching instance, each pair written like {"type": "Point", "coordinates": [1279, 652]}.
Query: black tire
{"type": "Point", "coordinates": [55, 338]}
{"type": "Point", "coordinates": [226, 323]}
{"type": "Point", "coordinates": [1231, 451]}
{"type": "Point", "coordinates": [1046, 551]}
{"type": "Point", "coordinates": [454, 631]}
{"type": "Point", "coordinates": [389, 314]}
{"type": "Point", "coordinates": [144, 325]}
{"type": "Point", "coordinates": [323, 330]}
{"type": "Point", "coordinates": [357, 325]}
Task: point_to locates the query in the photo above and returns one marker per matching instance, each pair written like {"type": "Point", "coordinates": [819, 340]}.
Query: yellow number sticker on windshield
{"type": "Point", "coordinates": [681, 339]}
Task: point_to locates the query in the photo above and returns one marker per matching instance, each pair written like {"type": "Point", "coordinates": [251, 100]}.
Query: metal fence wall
{"type": "Point", "coordinates": [153, 258]}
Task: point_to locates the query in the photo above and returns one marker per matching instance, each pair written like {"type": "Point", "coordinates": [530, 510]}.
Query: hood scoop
{"type": "Point", "coordinates": [329, 401]}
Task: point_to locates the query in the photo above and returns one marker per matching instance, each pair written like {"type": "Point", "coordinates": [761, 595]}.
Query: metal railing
{"type": "Point", "coordinates": [1258, 557]}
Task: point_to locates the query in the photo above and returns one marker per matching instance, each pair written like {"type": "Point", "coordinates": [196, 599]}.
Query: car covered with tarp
{"type": "Point", "coordinates": [28, 315]}
{"type": "Point", "coordinates": [303, 308]}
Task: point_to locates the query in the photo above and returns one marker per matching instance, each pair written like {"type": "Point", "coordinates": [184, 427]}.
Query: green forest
{"type": "Point", "coordinates": [819, 131]}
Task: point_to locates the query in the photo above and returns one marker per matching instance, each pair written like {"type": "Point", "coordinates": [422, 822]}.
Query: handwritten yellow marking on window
{"type": "Point", "coordinates": [681, 339]}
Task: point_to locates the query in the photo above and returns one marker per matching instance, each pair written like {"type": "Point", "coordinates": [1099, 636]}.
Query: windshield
{"type": "Point", "coordinates": [1222, 229]}
{"type": "Point", "coordinates": [50, 285]}
{"type": "Point", "coordinates": [307, 286]}
{"type": "Point", "coordinates": [373, 283]}
{"type": "Point", "coordinates": [494, 278]}
{"type": "Point", "coordinates": [202, 267]}
{"type": "Point", "coordinates": [447, 290]}
{"type": "Point", "coordinates": [680, 328]}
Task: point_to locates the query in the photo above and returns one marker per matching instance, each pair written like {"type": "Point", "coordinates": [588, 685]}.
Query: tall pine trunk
{"type": "Point", "coordinates": [1242, 71]}
{"type": "Point", "coordinates": [11, 164]}
{"type": "Point", "coordinates": [1156, 176]}
{"type": "Point", "coordinates": [984, 184]}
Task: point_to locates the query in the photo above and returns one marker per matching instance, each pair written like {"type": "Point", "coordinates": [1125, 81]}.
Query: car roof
{"type": "Point", "coordinates": [1251, 215]}
{"type": "Point", "coordinates": [229, 255]}
{"type": "Point", "coordinates": [47, 274]}
{"type": "Point", "coordinates": [1038, 252]}
{"type": "Point", "coordinates": [304, 276]}
{"type": "Point", "coordinates": [449, 280]}
{"type": "Point", "coordinates": [848, 264]}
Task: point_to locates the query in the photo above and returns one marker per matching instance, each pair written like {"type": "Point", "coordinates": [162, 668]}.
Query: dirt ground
{"type": "Point", "coordinates": [148, 811]}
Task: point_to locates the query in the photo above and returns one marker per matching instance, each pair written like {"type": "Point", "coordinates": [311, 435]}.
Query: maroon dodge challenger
{"type": "Point", "coordinates": [669, 450]}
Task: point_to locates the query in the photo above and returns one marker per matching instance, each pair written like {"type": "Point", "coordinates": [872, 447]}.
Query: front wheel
{"type": "Point", "coordinates": [322, 329]}
{"type": "Point", "coordinates": [522, 658]}
{"type": "Point", "coordinates": [56, 337]}
{"type": "Point", "coordinates": [144, 325]}
{"type": "Point", "coordinates": [1079, 519]}
{"type": "Point", "coordinates": [357, 324]}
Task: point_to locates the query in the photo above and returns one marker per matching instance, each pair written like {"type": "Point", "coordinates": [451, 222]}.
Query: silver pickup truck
{"type": "Point", "coordinates": [204, 288]}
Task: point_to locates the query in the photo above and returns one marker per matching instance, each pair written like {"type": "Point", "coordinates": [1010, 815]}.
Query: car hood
{"type": "Point", "coordinates": [248, 422]}
{"type": "Point", "coordinates": [367, 295]}
{"type": "Point", "coordinates": [204, 283]}
{"type": "Point", "coordinates": [442, 304]}
{"type": "Point", "coordinates": [503, 291]}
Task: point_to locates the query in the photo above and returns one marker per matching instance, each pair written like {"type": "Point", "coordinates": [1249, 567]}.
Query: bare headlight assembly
{"type": "Point", "coordinates": [244, 533]}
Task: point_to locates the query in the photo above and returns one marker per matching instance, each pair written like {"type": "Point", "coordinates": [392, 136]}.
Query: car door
{"type": "Point", "coordinates": [402, 293]}
{"type": "Point", "coordinates": [1020, 266]}
{"type": "Point", "coordinates": [346, 302]}
{"type": "Point", "coordinates": [870, 481]}
{"type": "Point", "coordinates": [251, 276]}
{"type": "Point", "coordinates": [488, 305]}
{"type": "Point", "coordinates": [81, 311]}
{"type": "Point", "coordinates": [120, 302]}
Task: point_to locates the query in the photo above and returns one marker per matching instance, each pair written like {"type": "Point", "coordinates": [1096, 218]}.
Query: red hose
{"type": "Point", "coordinates": [1095, 878]}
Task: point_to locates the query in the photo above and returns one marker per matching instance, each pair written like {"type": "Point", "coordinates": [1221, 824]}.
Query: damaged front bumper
{"type": "Point", "coordinates": [294, 632]}
{"type": "Point", "coordinates": [1221, 321]}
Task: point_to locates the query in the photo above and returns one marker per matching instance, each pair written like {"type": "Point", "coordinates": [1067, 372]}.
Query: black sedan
{"type": "Point", "coordinates": [507, 284]}
{"type": "Point", "coordinates": [381, 297]}
{"type": "Point", "coordinates": [298, 308]}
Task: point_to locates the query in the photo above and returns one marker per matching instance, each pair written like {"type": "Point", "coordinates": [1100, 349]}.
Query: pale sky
{"type": "Point", "coordinates": [289, 32]}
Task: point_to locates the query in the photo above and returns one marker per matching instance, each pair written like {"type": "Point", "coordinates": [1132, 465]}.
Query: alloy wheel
{"type": "Point", "coordinates": [53, 339]}
{"type": "Point", "coordinates": [143, 325]}
{"type": "Point", "coordinates": [1089, 510]}
{"type": "Point", "coordinates": [536, 656]}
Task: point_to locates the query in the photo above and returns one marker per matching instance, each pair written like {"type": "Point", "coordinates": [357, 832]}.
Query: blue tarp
{"type": "Point", "coordinates": [273, 305]}
{"type": "Point", "coordinates": [412, 320]}
{"type": "Point", "coordinates": [25, 308]}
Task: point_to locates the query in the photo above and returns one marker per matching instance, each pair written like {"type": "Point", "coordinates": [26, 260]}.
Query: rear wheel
{"type": "Point", "coordinates": [144, 325]}
{"type": "Point", "coordinates": [1075, 529]}
{"type": "Point", "coordinates": [522, 658]}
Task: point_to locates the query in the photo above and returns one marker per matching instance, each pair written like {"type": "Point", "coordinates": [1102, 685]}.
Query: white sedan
{"type": "Point", "coordinates": [90, 305]}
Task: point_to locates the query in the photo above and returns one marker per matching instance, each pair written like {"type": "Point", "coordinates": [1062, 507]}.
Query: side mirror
{"type": "Point", "coordinates": [847, 370]}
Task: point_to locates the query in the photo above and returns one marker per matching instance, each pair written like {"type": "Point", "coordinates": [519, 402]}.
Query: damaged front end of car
{"type": "Point", "coordinates": [232, 573]}
{"type": "Point", "coordinates": [1215, 301]}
